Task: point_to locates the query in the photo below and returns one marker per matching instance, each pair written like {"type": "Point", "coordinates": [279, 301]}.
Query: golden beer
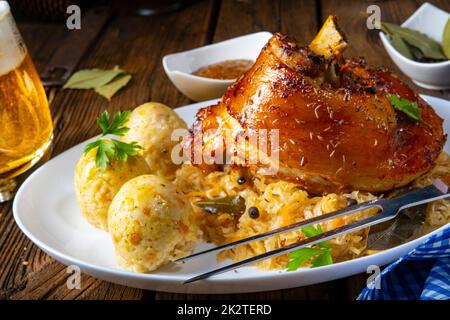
{"type": "Point", "coordinates": [25, 120]}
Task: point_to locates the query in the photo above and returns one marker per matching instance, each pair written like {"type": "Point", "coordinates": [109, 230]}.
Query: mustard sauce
{"type": "Point", "coordinates": [225, 70]}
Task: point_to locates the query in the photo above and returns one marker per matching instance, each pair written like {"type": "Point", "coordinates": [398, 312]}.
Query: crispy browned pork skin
{"type": "Point", "coordinates": [337, 128]}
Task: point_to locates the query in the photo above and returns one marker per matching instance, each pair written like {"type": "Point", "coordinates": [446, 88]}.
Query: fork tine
{"type": "Point", "coordinates": [295, 226]}
{"type": "Point", "coordinates": [355, 226]}
{"type": "Point", "coordinates": [390, 208]}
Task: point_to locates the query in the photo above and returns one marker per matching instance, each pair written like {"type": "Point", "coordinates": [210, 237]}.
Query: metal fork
{"type": "Point", "coordinates": [389, 210]}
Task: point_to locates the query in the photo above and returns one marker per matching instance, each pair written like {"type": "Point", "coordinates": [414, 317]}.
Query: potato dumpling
{"type": "Point", "coordinates": [95, 188]}
{"type": "Point", "coordinates": [151, 224]}
{"type": "Point", "coordinates": [151, 126]}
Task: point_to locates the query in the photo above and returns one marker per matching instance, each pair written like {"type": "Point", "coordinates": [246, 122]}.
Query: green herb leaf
{"type": "Point", "coordinates": [299, 257]}
{"type": "Point", "coordinates": [323, 259]}
{"type": "Point", "coordinates": [311, 231]}
{"type": "Point", "coordinates": [233, 204]}
{"type": "Point", "coordinates": [401, 46]}
{"type": "Point", "coordinates": [124, 150]}
{"type": "Point", "coordinates": [117, 126]}
{"type": "Point", "coordinates": [110, 89]}
{"type": "Point", "coordinates": [429, 47]}
{"type": "Point", "coordinates": [105, 151]}
{"type": "Point", "coordinates": [92, 78]}
{"type": "Point", "coordinates": [92, 145]}
{"type": "Point", "coordinates": [408, 107]}
{"type": "Point", "coordinates": [108, 149]}
{"type": "Point", "coordinates": [446, 39]}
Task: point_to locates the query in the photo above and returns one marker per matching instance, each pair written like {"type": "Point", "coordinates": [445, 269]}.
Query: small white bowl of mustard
{"type": "Point", "coordinates": [205, 73]}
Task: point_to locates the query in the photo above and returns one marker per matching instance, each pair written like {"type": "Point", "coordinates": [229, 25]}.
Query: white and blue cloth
{"type": "Point", "coordinates": [422, 274]}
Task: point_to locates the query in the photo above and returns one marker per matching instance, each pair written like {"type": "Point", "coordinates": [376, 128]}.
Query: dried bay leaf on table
{"type": "Point", "coordinates": [104, 82]}
{"type": "Point", "coordinates": [92, 78]}
{"type": "Point", "coordinates": [108, 90]}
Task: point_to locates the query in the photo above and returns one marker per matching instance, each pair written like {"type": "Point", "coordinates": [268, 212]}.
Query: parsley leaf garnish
{"type": "Point", "coordinates": [108, 149]}
{"type": "Point", "coordinates": [408, 107]}
{"type": "Point", "coordinates": [311, 231]}
{"type": "Point", "coordinates": [322, 259]}
{"type": "Point", "coordinates": [321, 252]}
{"type": "Point", "coordinates": [115, 127]}
{"type": "Point", "coordinates": [299, 257]}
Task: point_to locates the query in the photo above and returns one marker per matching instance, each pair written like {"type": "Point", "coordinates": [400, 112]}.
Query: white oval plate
{"type": "Point", "coordinates": [46, 210]}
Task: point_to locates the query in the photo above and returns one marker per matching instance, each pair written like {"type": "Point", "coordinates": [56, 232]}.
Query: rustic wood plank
{"type": "Point", "coordinates": [241, 17]}
{"type": "Point", "coordinates": [296, 18]}
{"type": "Point", "coordinates": [41, 39]}
{"type": "Point", "coordinates": [352, 286]}
{"type": "Point", "coordinates": [137, 44]}
{"type": "Point", "coordinates": [299, 19]}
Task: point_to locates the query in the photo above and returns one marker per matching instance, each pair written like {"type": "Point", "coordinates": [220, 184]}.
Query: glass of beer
{"type": "Point", "coordinates": [25, 121]}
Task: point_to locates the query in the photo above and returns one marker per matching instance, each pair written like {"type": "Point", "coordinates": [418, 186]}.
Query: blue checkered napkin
{"type": "Point", "coordinates": [423, 273]}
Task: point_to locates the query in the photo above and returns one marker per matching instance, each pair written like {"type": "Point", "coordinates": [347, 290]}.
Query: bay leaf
{"type": "Point", "coordinates": [92, 78]}
{"type": "Point", "coordinates": [446, 39]}
{"type": "Point", "coordinates": [108, 90]}
{"type": "Point", "coordinates": [400, 45]}
{"type": "Point", "coordinates": [418, 55]}
{"type": "Point", "coordinates": [232, 204]}
{"type": "Point", "coordinates": [429, 47]}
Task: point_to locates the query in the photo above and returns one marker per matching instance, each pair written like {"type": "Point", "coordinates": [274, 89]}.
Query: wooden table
{"type": "Point", "coordinates": [137, 44]}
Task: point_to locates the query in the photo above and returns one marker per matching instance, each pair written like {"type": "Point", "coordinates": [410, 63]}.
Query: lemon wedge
{"type": "Point", "coordinates": [446, 40]}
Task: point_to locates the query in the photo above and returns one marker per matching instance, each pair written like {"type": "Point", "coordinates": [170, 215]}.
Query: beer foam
{"type": "Point", "coordinates": [12, 49]}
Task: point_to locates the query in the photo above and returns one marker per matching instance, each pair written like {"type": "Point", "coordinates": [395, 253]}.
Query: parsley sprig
{"type": "Point", "coordinates": [108, 149]}
{"type": "Point", "coordinates": [410, 108]}
{"type": "Point", "coordinates": [321, 252]}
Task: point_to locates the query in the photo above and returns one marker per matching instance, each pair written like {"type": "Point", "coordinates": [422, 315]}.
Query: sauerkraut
{"type": "Point", "coordinates": [282, 203]}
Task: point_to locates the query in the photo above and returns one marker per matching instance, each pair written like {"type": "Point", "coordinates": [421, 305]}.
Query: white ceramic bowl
{"type": "Point", "coordinates": [179, 66]}
{"type": "Point", "coordinates": [431, 21]}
